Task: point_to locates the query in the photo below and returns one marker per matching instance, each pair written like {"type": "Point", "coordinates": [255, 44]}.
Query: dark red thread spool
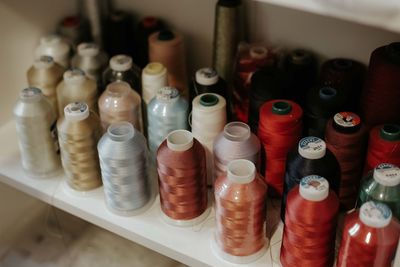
{"type": "Point", "coordinates": [346, 138]}
{"type": "Point", "coordinates": [182, 176]}
{"type": "Point", "coordinates": [370, 237]}
{"type": "Point", "coordinates": [383, 146]}
{"type": "Point", "coordinates": [310, 224]}
{"type": "Point", "coordinates": [279, 130]}
{"type": "Point", "coordinates": [380, 102]}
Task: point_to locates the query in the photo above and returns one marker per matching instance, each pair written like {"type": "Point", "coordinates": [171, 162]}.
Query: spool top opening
{"type": "Point", "coordinates": [393, 52]}
{"type": "Point", "coordinates": [314, 188]}
{"type": "Point", "coordinates": [312, 147]}
{"type": "Point", "coordinates": [237, 131]}
{"type": "Point", "coordinates": [74, 75]}
{"type": "Point", "coordinates": [154, 69]}
{"type": "Point", "coordinates": [376, 215]}
{"type": "Point", "coordinates": [390, 132]}
{"type": "Point", "coordinates": [165, 35]}
{"type": "Point", "coordinates": [121, 131]}
{"type": "Point", "coordinates": [31, 94]}
{"type": "Point", "coordinates": [118, 15]}
{"type": "Point", "coordinates": [281, 108]}
{"type": "Point", "coordinates": [76, 111]}
{"type": "Point", "coordinates": [88, 49]}
{"type": "Point", "coordinates": [206, 76]}
{"type": "Point", "coordinates": [241, 171]}
{"type": "Point", "coordinates": [208, 100]}
{"type": "Point", "coordinates": [149, 22]}
{"type": "Point", "coordinates": [43, 62]}
{"type": "Point", "coordinates": [346, 122]}
{"type": "Point", "coordinates": [327, 93]}
{"type": "Point", "coordinates": [258, 52]}
{"type": "Point", "coordinates": [342, 64]}
{"type": "Point", "coordinates": [180, 140]}
{"type": "Point", "coordinates": [300, 57]}
{"type": "Point", "coordinates": [121, 63]}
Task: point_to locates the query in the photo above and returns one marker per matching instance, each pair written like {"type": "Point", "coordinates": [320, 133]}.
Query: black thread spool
{"type": "Point", "coordinates": [347, 75]}
{"type": "Point", "coordinates": [145, 28]}
{"type": "Point", "coordinates": [311, 157]}
{"type": "Point", "coordinates": [119, 34]}
{"type": "Point", "coordinates": [300, 75]}
{"type": "Point", "coordinates": [322, 104]}
{"type": "Point", "coordinates": [266, 84]}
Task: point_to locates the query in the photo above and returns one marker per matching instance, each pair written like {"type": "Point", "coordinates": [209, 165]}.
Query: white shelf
{"type": "Point", "coordinates": [188, 245]}
{"type": "Point", "coordinates": [383, 14]}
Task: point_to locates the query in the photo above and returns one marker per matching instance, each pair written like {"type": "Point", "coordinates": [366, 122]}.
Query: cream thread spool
{"type": "Point", "coordinates": [56, 47]}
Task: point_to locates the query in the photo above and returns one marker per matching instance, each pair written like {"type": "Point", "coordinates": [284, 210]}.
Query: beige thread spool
{"type": "Point", "coordinates": [167, 47]}
{"type": "Point", "coordinates": [78, 133]}
{"type": "Point", "coordinates": [45, 74]}
{"type": "Point", "coordinates": [120, 102]}
{"type": "Point", "coordinates": [56, 47]}
{"type": "Point", "coordinates": [76, 87]}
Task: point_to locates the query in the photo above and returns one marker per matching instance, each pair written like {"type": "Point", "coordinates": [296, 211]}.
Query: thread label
{"type": "Point", "coordinates": [347, 119]}
{"type": "Point", "coordinates": [314, 182]}
{"type": "Point", "coordinates": [312, 144]}
{"type": "Point", "coordinates": [167, 93]}
{"type": "Point", "coordinates": [387, 174]}
{"type": "Point", "coordinates": [376, 211]}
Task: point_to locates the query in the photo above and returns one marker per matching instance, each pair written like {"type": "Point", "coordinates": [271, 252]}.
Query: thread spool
{"type": "Point", "coordinates": [166, 112]}
{"type": "Point", "coordinates": [311, 157]}
{"type": "Point", "coordinates": [235, 142]}
{"type": "Point", "coordinates": [397, 259]}
{"type": "Point", "coordinates": [76, 87]}
{"type": "Point", "coordinates": [120, 103]}
{"type": "Point", "coordinates": [310, 224]}
{"type": "Point", "coordinates": [181, 166]}
{"type": "Point", "coordinates": [369, 238]}
{"type": "Point", "coordinates": [279, 131]}
{"type": "Point", "coordinates": [46, 74]}
{"type": "Point", "coordinates": [347, 75]}
{"type": "Point", "coordinates": [346, 136]}
{"type": "Point", "coordinates": [119, 33]}
{"type": "Point", "coordinates": [382, 185]}
{"type": "Point", "coordinates": [322, 103]}
{"type": "Point", "coordinates": [122, 68]}
{"type": "Point", "coordinates": [55, 47]}
{"type": "Point", "coordinates": [37, 135]}
{"type": "Point", "coordinates": [208, 120]}
{"type": "Point", "coordinates": [380, 99]}
{"type": "Point", "coordinates": [167, 47]}
{"type": "Point", "coordinates": [266, 84]}
{"type": "Point", "coordinates": [228, 31]}
{"type": "Point", "coordinates": [383, 146]}
{"type": "Point", "coordinates": [301, 75]}
{"type": "Point", "coordinates": [78, 133]}
{"type": "Point", "coordinates": [249, 59]}
{"type": "Point", "coordinates": [240, 210]}
{"type": "Point", "coordinates": [90, 59]}
{"type": "Point", "coordinates": [154, 77]}
{"type": "Point", "coordinates": [123, 162]}
{"type": "Point", "coordinates": [74, 29]}
{"type": "Point", "coordinates": [145, 28]}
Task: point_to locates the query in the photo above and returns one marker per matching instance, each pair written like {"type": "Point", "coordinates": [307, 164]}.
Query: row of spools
{"type": "Point", "coordinates": [101, 142]}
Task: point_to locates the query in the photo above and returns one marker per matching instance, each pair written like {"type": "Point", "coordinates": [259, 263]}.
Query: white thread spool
{"type": "Point", "coordinates": [56, 47]}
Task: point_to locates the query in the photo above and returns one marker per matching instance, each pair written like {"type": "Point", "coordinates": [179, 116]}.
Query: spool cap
{"type": "Point", "coordinates": [165, 35]}
{"type": "Point", "coordinates": [207, 76]}
{"type": "Point", "coordinates": [300, 57]}
{"type": "Point", "coordinates": [347, 122]}
{"type": "Point", "coordinates": [88, 49]}
{"type": "Point", "coordinates": [342, 64]}
{"type": "Point", "coordinates": [387, 174]}
{"type": "Point", "coordinates": [180, 140]}
{"type": "Point", "coordinates": [121, 131]}
{"type": "Point", "coordinates": [374, 214]}
{"type": "Point", "coordinates": [208, 100]}
{"type": "Point", "coordinates": [241, 171]}
{"type": "Point", "coordinates": [312, 147]}
{"type": "Point", "coordinates": [154, 69]}
{"type": "Point", "coordinates": [43, 62]}
{"type": "Point", "coordinates": [390, 132]}
{"type": "Point", "coordinates": [76, 111]}
{"type": "Point", "coordinates": [314, 188]}
{"type": "Point", "coordinates": [167, 93]}
{"type": "Point", "coordinates": [121, 63]}
{"type": "Point", "coordinates": [237, 131]}
{"type": "Point", "coordinates": [327, 93]}
{"type": "Point", "coordinates": [258, 52]}
{"type": "Point", "coordinates": [31, 94]}
{"type": "Point", "coordinates": [74, 75]}
{"type": "Point", "coordinates": [50, 39]}
{"type": "Point", "coordinates": [281, 108]}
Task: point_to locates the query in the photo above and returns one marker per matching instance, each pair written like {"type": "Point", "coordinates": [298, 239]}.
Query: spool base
{"type": "Point", "coordinates": [49, 175]}
{"type": "Point", "coordinates": [70, 191]}
{"type": "Point", "coordinates": [130, 213]}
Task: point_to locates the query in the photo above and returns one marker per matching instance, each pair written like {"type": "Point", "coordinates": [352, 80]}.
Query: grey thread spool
{"type": "Point", "coordinates": [123, 161]}
{"type": "Point", "coordinates": [37, 134]}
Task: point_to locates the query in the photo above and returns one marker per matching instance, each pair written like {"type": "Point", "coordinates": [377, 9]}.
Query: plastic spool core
{"type": "Point", "coordinates": [206, 76]}
{"type": "Point", "coordinates": [312, 147]}
{"type": "Point", "coordinates": [241, 171]}
{"type": "Point", "coordinates": [76, 111]}
{"type": "Point", "coordinates": [121, 131]}
{"type": "Point", "coordinates": [327, 93]}
{"type": "Point", "coordinates": [88, 49]}
{"type": "Point", "coordinates": [390, 132]}
{"type": "Point", "coordinates": [300, 57]}
{"type": "Point", "coordinates": [342, 64]}
{"type": "Point", "coordinates": [281, 108]}
{"type": "Point", "coordinates": [121, 63]}
{"type": "Point", "coordinates": [387, 174]}
{"type": "Point", "coordinates": [237, 131]}
{"type": "Point", "coordinates": [208, 100]}
{"type": "Point", "coordinates": [167, 93]}
{"type": "Point", "coordinates": [43, 62]}
{"type": "Point", "coordinates": [31, 94]}
{"type": "Point", "coordinates": [180, 140]}
{"type": "Point", "coordinates": [74, 76]}
{"type": "Point", "coordinates": [346, 122]}
{"type": "Point", "coordinates": [165, 35]}
{"type": "Point", "coordinates": [376, 215]}
{"type": "Point", "coordinates": [154, 69]}
{"type": "Point", "coordinates": [393, 52]}
{"type": "Point", "coordinates": [258, 52]}
{"type": "Point", "coordinates": [314, 188]}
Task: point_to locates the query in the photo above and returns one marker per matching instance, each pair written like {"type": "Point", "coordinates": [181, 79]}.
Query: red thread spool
{"type": "Point", "coordinates": [182, 176]}
{"type": "Point", "coordinates": [380, 102]}
{"type": "Point", "coordinates": [310, 224]}
{"type": "Point", "coordinates": [370, 237]}
{"type": "Point", "coordinates": [279, 130]}
{"type": "Point", "coordinates": [383, 146]}
{"type": "Point", "coordinates": [240, 210]}
{"type": "Point", "coordinates": [345, 137]}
